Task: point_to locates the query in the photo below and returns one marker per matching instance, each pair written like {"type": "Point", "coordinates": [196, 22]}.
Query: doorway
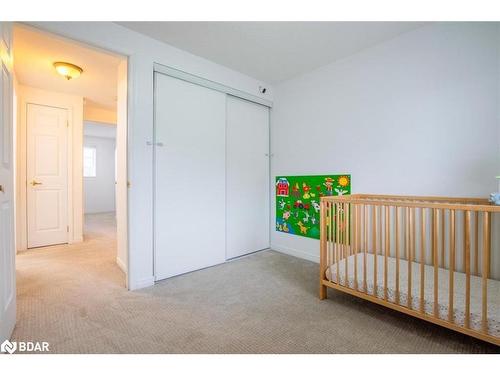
{"type": "Point", "coordinates": [47, 175]}
{"type": "Point", "coordinates": [71, 148]}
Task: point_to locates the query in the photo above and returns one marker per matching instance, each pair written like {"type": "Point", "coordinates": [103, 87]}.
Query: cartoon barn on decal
{"type": "Point", "coordinates": [282, 187]}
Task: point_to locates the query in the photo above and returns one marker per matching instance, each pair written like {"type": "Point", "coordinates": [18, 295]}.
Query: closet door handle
{"type": "Point", "coordinates": [159, 144]}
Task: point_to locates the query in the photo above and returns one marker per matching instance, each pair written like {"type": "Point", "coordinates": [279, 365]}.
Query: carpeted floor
{"type": "Point", "coordinates": [74, 298]}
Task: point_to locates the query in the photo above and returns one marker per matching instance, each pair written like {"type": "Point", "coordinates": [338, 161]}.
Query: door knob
{"type": "Point", "coordinates": [1, 189]}
{"type": "Point", "coordinates": [34, 183]}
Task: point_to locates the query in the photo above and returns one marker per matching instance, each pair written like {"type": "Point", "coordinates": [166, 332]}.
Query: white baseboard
{"type": "Point", "coordinates": [122, 265]}
{"type": "Point", "coordinates": [142, 283]}
{"type": "Point", "coordinates": [75, 240]}
{"type": "Point", "coordinates": [296, 253]}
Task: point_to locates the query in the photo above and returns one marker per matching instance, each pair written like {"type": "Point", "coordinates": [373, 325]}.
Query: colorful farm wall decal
{"type": "Point", "coordinates": [297, 201]}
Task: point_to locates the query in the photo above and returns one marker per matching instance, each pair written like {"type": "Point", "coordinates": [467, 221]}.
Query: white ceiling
{"type": "Point", "coordinates": [35, 52]}
{"type": "Point", "coordinates": [272, 51]}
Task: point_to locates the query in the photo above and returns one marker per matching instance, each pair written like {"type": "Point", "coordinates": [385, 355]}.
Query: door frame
{"type": "Point", "coordinates": [70, 103]}
{"type": "Point", "coordinates": [8, 280]}
{"type": "Point", "coordinates": [74, 105]}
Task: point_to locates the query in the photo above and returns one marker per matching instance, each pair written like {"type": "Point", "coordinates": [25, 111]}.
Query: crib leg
{"type": "Point", "coordinates": [322, 291]}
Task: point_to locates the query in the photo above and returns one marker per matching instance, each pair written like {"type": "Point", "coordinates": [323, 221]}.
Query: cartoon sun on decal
{"type": "Point", "coordinates": [343, 181]}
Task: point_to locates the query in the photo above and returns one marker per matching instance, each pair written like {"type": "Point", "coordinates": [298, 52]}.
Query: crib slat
{"type": "Point", "coordinates": [387, 248]}
{"type": "Point", "coordinates": [476, 243]}
{"type": "Point", "coordinates": [397, 253]}
{"type": "Point", "coordinates": [489, 249]}
{"type": "Point", "coordinates": [355, 243]}
{"type": "Point", "coordinates": [413, 234]}
{"type": "Point", "coordinates": [380, 246]}
{"type": "Point", "coordinates": [435, 242]}
{"type": "Point", "coordinates": [323, 249]}
{"type": "Point", "coordinates": [345, 242]}
{"type": "Point", "coordinates": [331, 221]}
{"type": "Point", "coordinates": [348, 229]}
{"type": "Point", "coordinates": [413, 239]}
{"type": "Point", "coordinates": [337, 241]}
{"type": "Point", "coordinates": [360, 224]}
{"type": "Point", "coordinates": [333, 232]}
{"type": "Point", "coordinates": [341, 234]}
{"type": "Point", "coordinates": [452, 266]}
{"type": "Point", "coordinates": [467, 269]}
{"type": "Point", "coordinates": [443, 240]}
{"type": "Point", "coordinates": [328, 217]}
{"type": "Point", "coordinates": [422, 259]}
{"type": "Point", "coordinates": [405, 232]}
{"type": "Point", "coordinates": [343, 231]}
{"type": "Point", "coordinates": [408, 251]}
{"type": "Point", "coordinates": [365, 245]}
{"type": "Point", "coordinates": [485, 270]}
{"type": "Point", "coordinates": [339, 245]}
{"type": "Point", "coordinates": [374, 244]}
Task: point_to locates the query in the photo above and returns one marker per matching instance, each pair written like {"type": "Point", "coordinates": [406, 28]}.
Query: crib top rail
{"type": "Point", "coordinates": [449, 203]}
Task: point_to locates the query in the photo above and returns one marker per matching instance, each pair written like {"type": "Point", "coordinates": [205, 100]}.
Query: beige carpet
{"type": "Point", "coordinates": [74, 298]}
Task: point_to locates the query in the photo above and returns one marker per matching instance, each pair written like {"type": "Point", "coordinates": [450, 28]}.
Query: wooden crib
{"type": "Point", "coordinates": [429, 257]}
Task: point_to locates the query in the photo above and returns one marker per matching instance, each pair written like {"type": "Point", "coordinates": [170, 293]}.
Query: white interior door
{"type": "Point", "coordinates": [247, 185]}
{"type": "Point", "coordinates": [7, 251]}
{"type": "Point", "coordinates": [47, 175]}
{"type": "Point", "coordinates": [189, 177]}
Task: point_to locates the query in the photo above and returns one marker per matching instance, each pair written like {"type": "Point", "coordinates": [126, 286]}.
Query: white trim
{"type": "Point", "coordinates": [142, 283]}
{"type": "Point", "coordinates": [176, 73]}
{"type": "Point", "coordinates": [153, 179]}
{"type": "Point", "coordinates": [296, 253]}
{"type": "Point", "coordinates": [122, 265]}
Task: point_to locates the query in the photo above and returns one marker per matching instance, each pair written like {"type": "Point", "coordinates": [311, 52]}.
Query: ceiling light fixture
{"type": "Point", "coordinates": [68, 70]}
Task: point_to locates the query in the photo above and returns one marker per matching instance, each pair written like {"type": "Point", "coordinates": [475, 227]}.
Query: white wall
{"type": "Point", "coordinates": [142, 53]}
{"type": "Point", "coordinates": [416, 115]}
{"type": "Point", "coordinates": [99, 191]}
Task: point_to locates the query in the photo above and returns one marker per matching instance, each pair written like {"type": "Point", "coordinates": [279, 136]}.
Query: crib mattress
{"type": "Point", "coordinates": [475, 319]}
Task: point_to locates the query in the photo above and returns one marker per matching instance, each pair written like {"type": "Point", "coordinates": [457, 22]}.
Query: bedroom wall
{"type": "Point", "coordinates": [99, 191]}
{"type": "Point", "coordinates": [414, 115]}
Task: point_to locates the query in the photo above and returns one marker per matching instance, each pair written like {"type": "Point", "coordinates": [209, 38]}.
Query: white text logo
{"type": "Point", "coordinates": [24, 346]}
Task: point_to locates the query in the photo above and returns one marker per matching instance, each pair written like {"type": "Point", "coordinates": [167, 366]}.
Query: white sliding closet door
{"type": "Point", "coordinates": [247, 186]}
{"type": "Point", "coordinates": [189, 177]}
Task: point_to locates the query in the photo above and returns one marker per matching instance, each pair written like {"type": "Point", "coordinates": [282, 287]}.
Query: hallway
{"type": "Point", "coordinates": [53, 281]}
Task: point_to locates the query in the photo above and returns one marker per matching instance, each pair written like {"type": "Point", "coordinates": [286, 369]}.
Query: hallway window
{"type": "Point", "coordinates": [89, 162]}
